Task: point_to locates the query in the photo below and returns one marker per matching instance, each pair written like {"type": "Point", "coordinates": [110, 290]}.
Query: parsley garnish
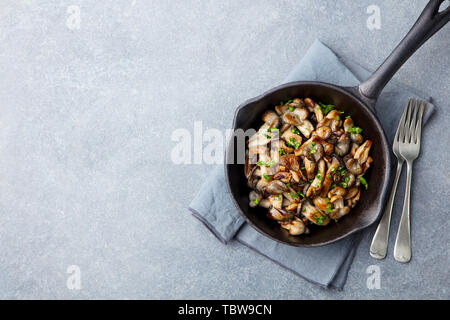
{"type": "Point", "coordinates": [294, 143]}
{"type": "Point", "coordinates": [266, 177]}
{"type": "Point", "coordinates": [326, 108]}
{"type": "Point", "coordinates": [364, 182]}
{"type": "Point", "coordinates": [256, 201]}
{"type": "Point", "coordinates": [295, 130]}
{"type": "Point", "coordinates": [281, 151]}
{"type": "Point", "coordinates": [319, 219]}
{"type": "Point", "coordinates": [265, 163]}
{"type": "Point", "coordinates": [345, 183]}
{"type": "Point", "coordinates": [355, 130]}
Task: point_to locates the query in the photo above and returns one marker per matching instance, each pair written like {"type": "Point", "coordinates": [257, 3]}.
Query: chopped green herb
{"type": "Point", "coordinates": [364, 182]}
{"type": "Point", "coordinates": [319, 177]}
{"type": "Point", "coordinates": [313, 150]}
{"type": "Point", "coordinates": [313, 144]}
{"type": "Point", "coordinates": [281, 151]}
{"type": "Point", "coordinates": [300, 194]}
{"type": "Point", "coordinates": [333, 186]}
{"type": "Point", "coordinates": [267, 136]}
{"type": "Point", "coordinates": [294, 143]}
{"type": "Point", "coordinates": [302, 168]}
{"type": "Point", "coordinates": [338, 118]}
{"type": "Point", "coordinates": [355, 130]}
{"type": "Point", "coordinates": [303, 209]}
{"type": "Point", "coordinates": [327, 200]}
{"type": "Point", "coordinates": [288, 184]}
{"type": "Point", "coordinates": [319, 219]}
{"type": "Point", "coordinates": [273, 130]}
{"type": "Point", "coordinates": [329, 176]}
{"type": "Point", "coordinates": [256, 201]}
{"type": "Point", "coordinates": [329, 208]}
{"type": "Point", "coordinates": [333, 169]}
{"type": "Point", "coordinates": [265, 163]}
{"type": "Point", "coordinates": [277, 198]}
{"type": "Point", "coordinates": [266, 177]}
{"type": "Point", "coordinates": [346, 117]}
{"type": "Point", "coordinates": [345, 182]}
{"type": "Point", "coordinates": [295, 130]}
{"type": "Point", "coordinates": [291, 109]}
{"type": "Point", "coordinates": [326, 108]}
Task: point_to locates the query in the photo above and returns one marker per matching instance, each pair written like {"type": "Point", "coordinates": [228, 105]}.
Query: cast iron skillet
{"type": "Point", "coordinates": [360, 103]}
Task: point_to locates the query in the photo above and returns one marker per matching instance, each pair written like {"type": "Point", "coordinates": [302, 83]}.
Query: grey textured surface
{"type": "Point", "coordinates": [86, 120]}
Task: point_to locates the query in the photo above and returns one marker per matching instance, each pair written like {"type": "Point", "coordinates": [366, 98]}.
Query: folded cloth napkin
{"type": "Point", "coordinates": [328, 265]}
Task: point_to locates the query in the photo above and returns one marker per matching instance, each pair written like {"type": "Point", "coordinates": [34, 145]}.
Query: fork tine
{"type": "Point", "coordinates": [418, 131]}
{"type": "Point", "coordinates": [400, 134]}
{"type": "Point", "coordinates": [408, 121]}
{"type": "Point", "coordinates": [412, 126]}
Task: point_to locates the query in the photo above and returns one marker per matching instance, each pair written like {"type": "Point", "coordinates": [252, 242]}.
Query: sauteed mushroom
{"type": "Point", "coordinates": [305, 164]}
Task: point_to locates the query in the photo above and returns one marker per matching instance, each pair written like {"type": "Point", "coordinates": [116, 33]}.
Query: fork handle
{"type": "Point", "coordinates": [380, 240]}
{"type": "Point", "coordinates": [402, 248]}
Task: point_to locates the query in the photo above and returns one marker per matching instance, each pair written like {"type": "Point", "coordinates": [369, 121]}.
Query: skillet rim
{"type": "Point", "coordinates": [349, 91]}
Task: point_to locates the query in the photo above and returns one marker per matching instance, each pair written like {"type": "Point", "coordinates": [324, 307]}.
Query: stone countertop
{"type": "Point", "coordinates": [88, 108]}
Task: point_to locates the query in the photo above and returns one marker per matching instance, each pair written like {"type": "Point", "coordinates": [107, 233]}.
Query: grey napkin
{"type": "Point", "coordinates": [326, 266]}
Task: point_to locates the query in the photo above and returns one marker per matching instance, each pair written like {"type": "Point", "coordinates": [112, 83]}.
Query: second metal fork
{"type": "Point", "coordinates": [409, 147]}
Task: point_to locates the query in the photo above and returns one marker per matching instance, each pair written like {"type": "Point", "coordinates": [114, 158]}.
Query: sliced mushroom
{"type": "Point", "coordinates": [314, 215]}
{"type": "Point", "coordinates": [362, 153]}
{"type": "Point", "coordinates": [295, 117]}
{"type": "Point", "coordinates": [328, 178]}
{"type": "Point", "coordinates": [339, 213]}
{"type": "Point", "coordinates": [351, 193]}
{"type": "Point", "coordinates": [261, 184]}
{"type": "Point", "coordinates": [306, 128]}
{"type": "Point", "coordinates": [312, 149]}
{"type": "Point", "coordinates": [316, 185]}
{"type": "Point", "coordinates": [318, 112]}
{"type": "Point", "coordinates": [284, 177]}
{"type": "Point", "coordinates": [276, 187]}
{"type": "Point", "coordinates": [290, 161]}
{"type": "Point", "coordinates": [291, 207]}
{"type": "Point", "coordinates": [265, 203]}
{"type": "Point", "coordinates": [328, 148]}
{"type": "Point", "coordinates": [310, 168]}
{"type": "Point", "coordinates": [295, 226]}
{"type": "Point", "coordinates": [282, 145]}
{"type": "Point", "coordinates": [353, 149]}
{"type": "Point", "coordinates": [356, 138]}
{"type": "Point", "coordinates": [276, 201]}
{"type": "Point", "coordinates": [348, 124]}
{"type": "Point", "coordinates": [321, 203]}
{"type": "Point", "coordinates": [366, 165]}
{"type": "Point", "coordinates": [276, 214]}
{"type": "Point", "coordinates": [353, 165]}
{"type": "Point", "coordinates": [310, 103]}
{"type": "Point", "coordinates": [292, 139]}
{"type": "Point", "coordinates": [337, 191]}
{"type": "Point", "coordinates": [271, 118]}
{"type": "Point", "coordinates": [255, 198]}
{"type": "Point", "coordinates": [343, 145]}
{"type": "Point", "coordinates": [323, 132]}
{"type": "Point", "coordinates": [281, 109]}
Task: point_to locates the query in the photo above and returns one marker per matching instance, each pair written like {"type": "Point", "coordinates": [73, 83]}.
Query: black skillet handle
{"type": "Point", "coordinates": [429, 22]}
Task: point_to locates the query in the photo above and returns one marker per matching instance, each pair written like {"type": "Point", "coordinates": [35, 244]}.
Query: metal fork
{"type": "Point", "coordinates": [409, 147]}
{"type": "Point", "coordinates": [378, 248]}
